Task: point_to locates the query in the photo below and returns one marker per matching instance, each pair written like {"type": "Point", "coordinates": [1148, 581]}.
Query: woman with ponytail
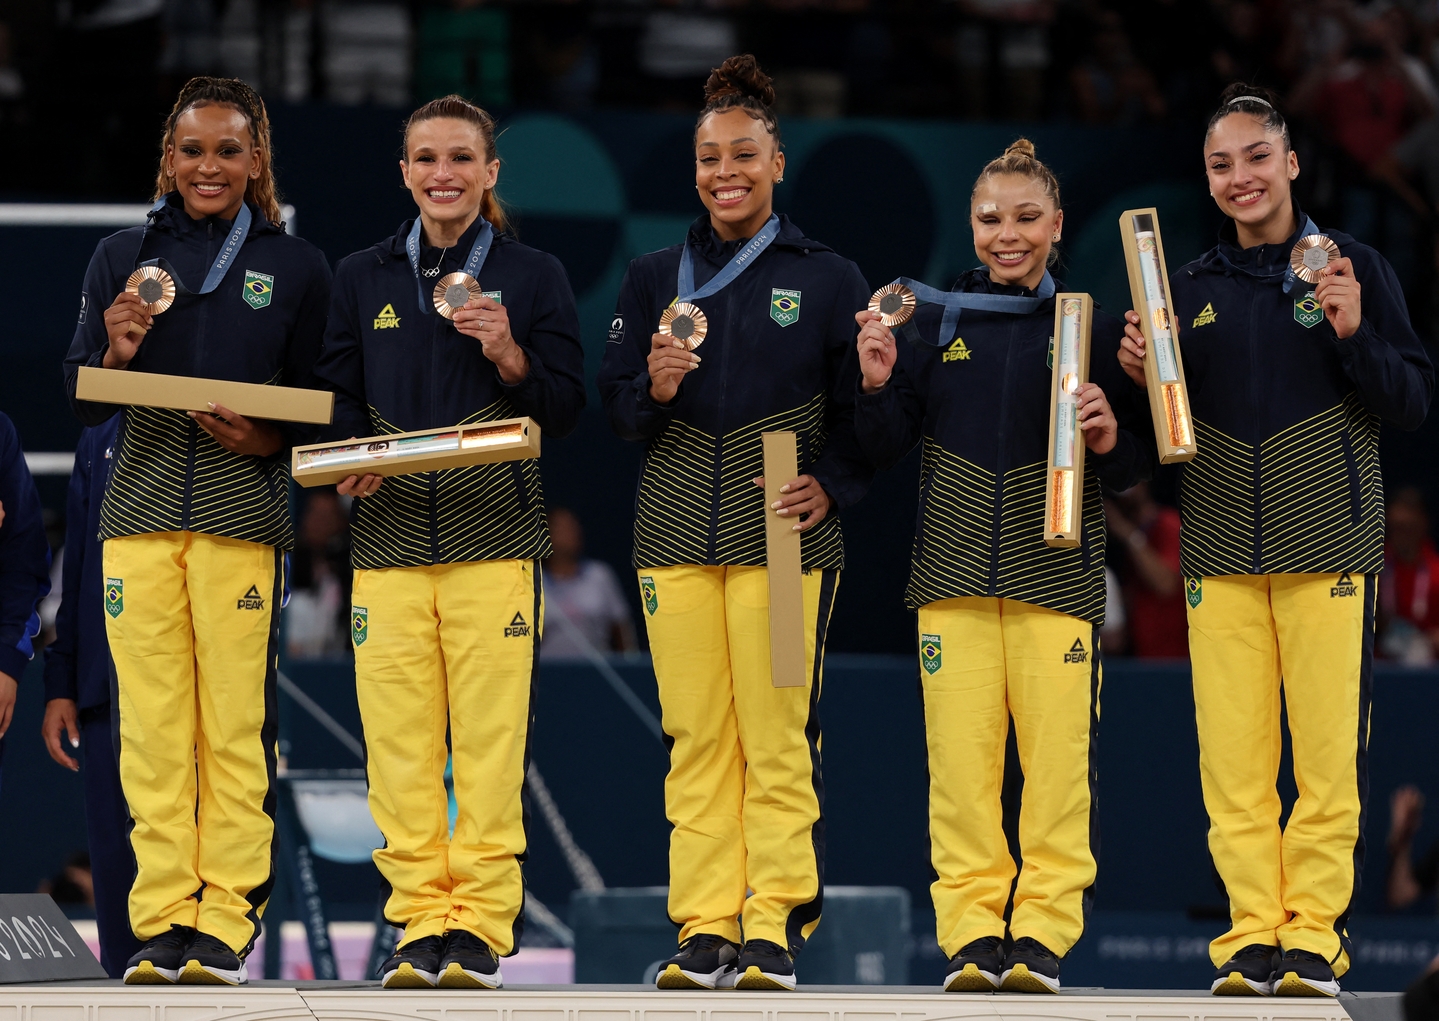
{"type": "Point", "coordinates": [1008, 627]}
{"type": "Point", "coordinates": [195, 526]}
{"type": "Point", "coordinates": [744, 790]}
{"type": "Point", "coordinates": [1282, 541]}
{"type": "Point", "coordinates": [447, 599]}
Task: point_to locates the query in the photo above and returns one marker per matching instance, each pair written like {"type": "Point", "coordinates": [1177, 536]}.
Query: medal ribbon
{"type": "Point", "coordinates": [478, 253]}
{"type": "Point", "coordinates": [956, 301]}
{"type": "Point", "coordinates": [238, 232]}
{"type": "Point", "coordinates": [732, 269]}
{"type": "Point", "coordinates": [1290, 280]}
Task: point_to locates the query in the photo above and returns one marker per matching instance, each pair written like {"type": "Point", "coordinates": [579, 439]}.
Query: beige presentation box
{"type": "Point", "coordinates": [509, 439]}
{"type": "Point", "coordinates": [191, 393]}
{"type": "Point", "coordinates": [782, 553]}
{"type": "Point", "coordinates": [1064, 498]}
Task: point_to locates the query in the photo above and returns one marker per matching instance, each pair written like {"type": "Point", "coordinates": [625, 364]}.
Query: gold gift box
{"type": "Point", "coordinates": [1064, 494]}
{"type": "Point", "coordinates": [191, 393]}
{"type": "Point", "coordinates": [323, 464]}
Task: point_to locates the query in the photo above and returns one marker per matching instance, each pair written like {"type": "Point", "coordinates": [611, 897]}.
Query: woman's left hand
{"type": "Point", "coordinates": [803, 498]}
{"type": "Point", "coordinates": [1338, 294]}
{"type": "Point", "coordinates": [486, 320]}
{"type": "Point", "coordinates": [238, 434]}
{"type": "Point", "coordinates": [1096, 418]}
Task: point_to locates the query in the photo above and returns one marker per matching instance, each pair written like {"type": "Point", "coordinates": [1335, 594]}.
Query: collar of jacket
{"type": "Point", "coordinates": [701, 234]}
{"type": "Point", "coordinates": [1263, 262]}
{"type": "Point", "coordinates": [396, 245]}
{"type": "Point", "coordinates": [977, 281]}
{"type": "Point", "coordinates": [172, 219]}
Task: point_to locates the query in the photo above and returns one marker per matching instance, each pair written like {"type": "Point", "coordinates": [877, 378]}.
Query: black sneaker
{"type": "Point", "coordinates": [160, 958]}
{"type": "Point", "coordinates": [704, 961]}
{"type": "Point", "coordinates": [209, 962]}
{"type": "Point", "coordinates": [977, 966]}
{"type": "Point", "coordinates": [1250, 972]}
{"type": "Point", "coordinates": [1030, 968]}
{"type": "Point", "coordinates": [1302, 973]}
{"type": "Point", "coordinates": [764, 965]}
{"type": "Point", "coordinates": [414, 965]}
{"type": "Point", "coordinates": [469, 963]}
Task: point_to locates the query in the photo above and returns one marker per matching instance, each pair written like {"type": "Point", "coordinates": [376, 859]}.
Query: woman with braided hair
{"type": "Point", "coordinates": [195, 526]}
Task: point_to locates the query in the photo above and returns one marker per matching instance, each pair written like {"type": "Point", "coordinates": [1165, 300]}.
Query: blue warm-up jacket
{"type": "Point", "coordinates": [779, 355]}
{"type": "Point", "coordinates": [398, 367]}
{"type": "Point", "coordinates": [77, 662]}
{"type": "Point", "coordinates": [24, 556]}
{"type": "Point", "coordinates": [1286, 414]}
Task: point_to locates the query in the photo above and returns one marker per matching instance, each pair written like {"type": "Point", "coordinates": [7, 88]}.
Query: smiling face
{"type": "Point", "coordinates": [447, 173]}
{"type": "Point", "coordinates": [1014, 222]}
{"type": "Point", "coordinates": [1250, 171]}
{"type": "Point", "coordinates": [736, 166]}
{"type": "Point", "coordinates": [212, 159]}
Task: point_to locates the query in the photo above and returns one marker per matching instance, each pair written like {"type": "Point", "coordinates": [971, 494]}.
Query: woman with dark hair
{"type": "Point", "coordinates": [744, 790]}
{"type": "Point", "coordinates": [196, 521]}
{"type": "Point", "coordinates": [1291, 366]}
{"type": "Point", "coordinates": [1008, 627]}
{"type": "Point", "coordinates": [447, 599]}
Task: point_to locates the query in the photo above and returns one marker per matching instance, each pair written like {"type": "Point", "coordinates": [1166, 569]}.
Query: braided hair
{"type": "Point", "coordinates": [232, 92]}
{"type": "Point", "coordinates": [461, 109]}
{"type": "Point", "coordinates": [739, 83]}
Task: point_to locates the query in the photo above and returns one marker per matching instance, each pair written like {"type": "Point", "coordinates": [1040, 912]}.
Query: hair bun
{"type": "Point", "coordinates": [1241, 90]}
{"type": "Point", "coordinates": [740, 76]}
{"type": "Point", "coordinates": [1021, 147]}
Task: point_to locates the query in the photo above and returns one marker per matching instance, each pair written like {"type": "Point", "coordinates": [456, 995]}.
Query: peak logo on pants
{"type": "Point", "coordinates": [517, 627]}
{"type": "Point", "coordinates": [1077, 653]}
{"type": "Point", "coordinates": [251, 600]}
{"type": "Point", "coordinates": [1343, 587]}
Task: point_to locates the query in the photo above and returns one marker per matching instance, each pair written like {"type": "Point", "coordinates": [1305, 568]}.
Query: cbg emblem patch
{"type": "Point", "coordinates": [359, 624]}
{"type": "Point", "coordinates": [1307, 311]}
{"type": "Point", "coordinates": [784, 306]}
{"type": "Point", "coordinates": [114, 596]}
{"type": "Point", "coordinates": [259, 288]}
{"type": "Point", "coordinates": [651, 595]}
{"type": "Point", "coordinates": [929, 653]}
{"type": "Point", "coordinates": [1194, 591]}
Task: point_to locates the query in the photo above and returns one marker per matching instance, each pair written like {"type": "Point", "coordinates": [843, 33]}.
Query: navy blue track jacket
{"type": "Point", "coordinates": [24, 556]}
{"type": "Point", "coordinates": [169, 474]}
{"type": "Point", "coordinates": [980, 405]}
{"type": "Point", "coordinates": [779, 354]}
{"type": "Point", "coordinates": [396, 367]}
{"type": "Point", "coordinates": [77, 662]}
{"type": "Point", "coordinates": [1286, 414]}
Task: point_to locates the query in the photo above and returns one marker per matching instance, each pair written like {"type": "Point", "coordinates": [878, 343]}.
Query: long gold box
{"type": "Point", "coordinates": [1163, 366]}
{"type": "Point", "coordinates": [1064, 490]}
{"type": "Point", "coordinates": [459, 446]}
{"type": "Point", "coordinates": [192, 393]}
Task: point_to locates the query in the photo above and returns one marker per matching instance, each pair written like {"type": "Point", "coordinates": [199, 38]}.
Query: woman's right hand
{"type": "Point", "coordinates": [668, 362]}
{"type": "Point", "coordinates": [126, 323]}
{"type": "Point", "coordinates": [1132, 349]}
{"type": "Point", "coordinates": [877, 351]}
{"type": "Point", "coordinates": [360, 485]}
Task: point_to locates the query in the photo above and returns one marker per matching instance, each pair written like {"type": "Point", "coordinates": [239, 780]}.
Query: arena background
{"type": "Point", "coordinates": [884, 177]}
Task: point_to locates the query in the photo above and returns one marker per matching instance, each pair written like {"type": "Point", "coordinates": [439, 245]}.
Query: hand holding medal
{"type": "Point", "coordinates": [682, 328]}
{"type": "Point", "coordinates": [1316, 260]}
{"type": "Point", "coordinates": [892, 305]}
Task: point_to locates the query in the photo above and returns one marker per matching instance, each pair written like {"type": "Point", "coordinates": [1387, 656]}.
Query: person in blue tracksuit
{"type": "Point", "coordinates": [1282, 540]}
{"type": "Point", "coordinates": [79, 722]}
{"type": "Point", "coordinates": [24, 570]}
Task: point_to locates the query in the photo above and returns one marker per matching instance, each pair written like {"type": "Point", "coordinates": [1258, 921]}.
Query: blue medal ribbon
{"type": "Point", "coordinates": [478, 253]}
{"type": "Point", "coordinates": [955, 302]}
{"type": "Point", "coordinates": [238, 232]}
{"type": "Point", "coordinates": [732, 269]}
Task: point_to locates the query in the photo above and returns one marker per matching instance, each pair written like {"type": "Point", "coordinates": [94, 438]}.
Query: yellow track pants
{"type": "Point", "coordinates": [1313, 636]}
{"type": "Point", "coordinates": [193, 622]}
{"type": "Point", "coordinates": [983, 660]}
{"type": "Point", "coordinates": [744, 791]}
{"type": "Point", "coordinates": [449, 645]}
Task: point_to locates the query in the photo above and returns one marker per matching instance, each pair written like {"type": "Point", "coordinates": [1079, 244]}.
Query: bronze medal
{"type": "Point", "coordinates": [685, 322]}
{"type": "Point", "coordinates": [895, 303]}
{"type": "Point", "coordinates": [453, 291]}
{"type": "Point", "coordinates": [1310, 257]}
{"type": "Point", "coordinates": [154, 287]}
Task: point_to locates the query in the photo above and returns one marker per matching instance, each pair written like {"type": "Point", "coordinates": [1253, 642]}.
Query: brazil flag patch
{"type": "Point", "coordinates": [929, 653]}
{"type": "Point", "coordinates": [1308, 312]}
{"type": "Point", "coordinates": [359, 624]}
{"type": "Point", "coordinates": [651, 596]}
{"type": "Point", "coordinates": [784, 306]}
{"type": "Point", "coordinates": [114, 596]}
{"type": "Point", "coordinates": [1194, 591]}
{"type": "Point", "coordinates": [259, 288]}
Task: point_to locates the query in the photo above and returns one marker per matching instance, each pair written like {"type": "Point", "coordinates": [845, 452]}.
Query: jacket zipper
{"type": "Point", "coordinates": [999, 461]}
{"type": "Point", "coordinates": [732, 328]}
{"type": "Point", "coordinates": [432, 481]}
{"type": "Point", "coordinates": [1254, 298]}
{"type": "Point", "coordinates": [196, 360]}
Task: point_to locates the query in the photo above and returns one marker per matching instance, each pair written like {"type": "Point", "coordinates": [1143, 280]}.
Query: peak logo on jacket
{"type": "Point", "coordinates": [517, 627]}
{"type": "Point", "coordinates": [957, 352]}
{"type": "Point", "coordinates": [1206, 315]}
{"type": "Point", "coordinates": [784, 306]}
{"type": "Point", "coordinates": [251, 600]}
{"type": "Point", "coordinates": [385, 319]}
